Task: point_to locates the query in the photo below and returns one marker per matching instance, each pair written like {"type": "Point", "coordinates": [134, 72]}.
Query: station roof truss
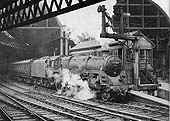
{"type": "Point", "coordinates": [15, 13]}
{"type": "Point", "coordinates": [144, 15]}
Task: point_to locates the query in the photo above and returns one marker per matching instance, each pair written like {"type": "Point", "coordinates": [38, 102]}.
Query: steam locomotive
{"type": "Point", "coordinates": [103, 74]}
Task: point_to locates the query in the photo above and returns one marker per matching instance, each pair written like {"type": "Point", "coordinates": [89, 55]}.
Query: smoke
{"type": "Point", "coordinates": [71, 85]}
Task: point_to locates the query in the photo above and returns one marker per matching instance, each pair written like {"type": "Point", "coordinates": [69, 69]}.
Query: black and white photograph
{"type": "Point", "coordinates": [84, 60]}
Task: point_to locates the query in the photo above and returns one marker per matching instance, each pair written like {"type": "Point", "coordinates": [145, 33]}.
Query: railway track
{"type": "Point", "coordinates": [45, 111]}
{"type": "Point", "coordinates": [151, 111]}
{"type": "Point", "coordinates": [43, 107]}
{"type": "Point", "coordinates": [116, 110]}
{"type": "Point", "coordinates": [12, 110]}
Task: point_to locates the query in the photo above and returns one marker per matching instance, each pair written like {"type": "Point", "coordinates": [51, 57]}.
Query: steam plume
{"type": "Point", "coordinates": [72, 85]}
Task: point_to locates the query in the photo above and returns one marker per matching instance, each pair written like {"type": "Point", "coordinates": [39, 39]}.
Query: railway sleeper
{"type": "Point", "coordinates": [133, 112]}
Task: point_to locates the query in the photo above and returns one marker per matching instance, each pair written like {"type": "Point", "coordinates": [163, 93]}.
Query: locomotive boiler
{"type": "Point", "coordinates": [110, 65]}
{"type": "Point", "coordinates": [103, 74]}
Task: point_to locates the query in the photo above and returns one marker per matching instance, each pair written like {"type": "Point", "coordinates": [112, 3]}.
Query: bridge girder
{"type": "Point", "coordinates": [17, 13]}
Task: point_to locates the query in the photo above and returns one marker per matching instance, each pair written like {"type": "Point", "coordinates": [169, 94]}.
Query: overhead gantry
{"type": "Point", "coordinates": [15, 13]}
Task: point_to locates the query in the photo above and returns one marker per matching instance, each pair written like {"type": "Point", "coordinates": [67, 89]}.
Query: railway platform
{"type": "Point", "coordinates": [145, 98]}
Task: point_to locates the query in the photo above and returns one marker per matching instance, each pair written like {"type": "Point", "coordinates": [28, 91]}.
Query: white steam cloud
{"type": "Point", "coordinates": [71, 85]}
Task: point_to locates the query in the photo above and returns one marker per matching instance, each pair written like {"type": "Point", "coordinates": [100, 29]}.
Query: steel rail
{"type": "Point", "coordinates": [65, 112]}
{"type": "Point", "coordinates": [132, 109]}
{"type": "Point", "coordinates": [21, 107]}
{"type": "Point", "coordinates": [122, 107]}
{"type": "Point", "coordinates": [84, 112]}
{"type": "Point", "coordinates": [6, 115]}
{"type": "Point", "coordinates": [91, 108]}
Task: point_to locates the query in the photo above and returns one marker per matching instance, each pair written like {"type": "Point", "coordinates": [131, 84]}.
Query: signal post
{"type": "Point", "coordinates": [118, 10]}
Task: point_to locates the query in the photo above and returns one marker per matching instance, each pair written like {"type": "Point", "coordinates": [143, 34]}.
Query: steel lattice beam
{"type": "Point", "coordinates": [23, 12]}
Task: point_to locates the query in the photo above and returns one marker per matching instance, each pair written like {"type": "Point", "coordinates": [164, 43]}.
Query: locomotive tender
{"type": "Point", "coordinates": [103, 74]}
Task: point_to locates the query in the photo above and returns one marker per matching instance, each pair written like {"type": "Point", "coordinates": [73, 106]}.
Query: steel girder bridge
{"type": "Point", "coordinates": [15, 13]}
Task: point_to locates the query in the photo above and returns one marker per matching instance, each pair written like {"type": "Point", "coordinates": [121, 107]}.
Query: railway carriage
{"type": "Point", "coordinates": [20, 69]}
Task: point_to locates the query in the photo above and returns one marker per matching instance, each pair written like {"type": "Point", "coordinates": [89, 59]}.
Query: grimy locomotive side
{"type": "Point", "coordinates": [103, 74]}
